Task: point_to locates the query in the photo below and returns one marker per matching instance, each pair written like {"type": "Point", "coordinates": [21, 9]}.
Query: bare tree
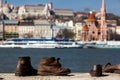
{"type": "Point", "coordinates": [28, 35]}
{"type": "Point", "coordinates": [65, 33]}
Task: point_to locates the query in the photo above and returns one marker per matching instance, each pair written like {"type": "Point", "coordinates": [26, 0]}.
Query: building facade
{"type": "Point", "coordinates": [10, 29]}
{"type": "Point", "coordinates": [35, 10]}
{"type": "Point", "coordinates": [26, 29]}
{"type": "Point", "coordinates": [93, 31]}
{"type": "Point", "coordinates": [77, 30]}
{"type": "Point", "coordinates": [43, 29]}
{"type": "Point", "coordinates": [1, 30]}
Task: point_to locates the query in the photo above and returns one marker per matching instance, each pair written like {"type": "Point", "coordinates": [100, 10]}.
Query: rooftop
{"type": "Point", "coordinates": [10, 22]}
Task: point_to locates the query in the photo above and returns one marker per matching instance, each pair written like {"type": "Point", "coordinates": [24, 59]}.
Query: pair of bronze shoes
{"type": "Point", "coordinates": [48, 66]}
{"type": "Point", "coordinates": [97, 70]}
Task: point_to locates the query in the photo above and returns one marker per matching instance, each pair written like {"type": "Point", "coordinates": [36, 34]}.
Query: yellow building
{"type": "Point", "coordinates": [10, 28]}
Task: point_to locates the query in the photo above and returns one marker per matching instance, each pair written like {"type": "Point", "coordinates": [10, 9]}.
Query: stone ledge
{"type": "Point", "coordinates": [73, 76]}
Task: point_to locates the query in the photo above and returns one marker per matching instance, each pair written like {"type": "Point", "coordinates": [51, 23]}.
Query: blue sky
{"type": "Point", "coordinates": [112, 6]}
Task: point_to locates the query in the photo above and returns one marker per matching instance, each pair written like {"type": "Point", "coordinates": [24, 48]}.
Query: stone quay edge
{"type": "Point", "coordinates": [72, 76]}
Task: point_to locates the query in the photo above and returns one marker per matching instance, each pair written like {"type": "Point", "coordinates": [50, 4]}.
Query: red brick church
{"type": "Point", "coordinates": [94, 31]}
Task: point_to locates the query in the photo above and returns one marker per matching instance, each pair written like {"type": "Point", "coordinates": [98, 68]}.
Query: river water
{"type": "Point", "coordinates": [78, 60]}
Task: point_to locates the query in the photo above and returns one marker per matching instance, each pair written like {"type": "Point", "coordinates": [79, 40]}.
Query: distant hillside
{"type": "Point", "coordinates": [111, 16]}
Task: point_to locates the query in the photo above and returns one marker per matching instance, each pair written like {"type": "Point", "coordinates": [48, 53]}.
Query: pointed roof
{"type": "Point", "coordinates": [85, 28]}
{"type": "Point", "coordinates": [91, 17]}
{"type": "Point", "coordinates": [103, 6]}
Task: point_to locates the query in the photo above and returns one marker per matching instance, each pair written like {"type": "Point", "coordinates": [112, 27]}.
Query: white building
{"type": "Point", "coordinates": [77, 29]}
{"type": "Point", "coordinates": [43, 10]}
{"type": "Point", "coordinates": [26, 29]}
{"type": "Point", "coordinates": [1, 29]}
{"type": "Point", "coordinates": [9, 11]}
{"type": "Point", "coordinates": [42, 29]}
{"type": "Point", "coordinates": [35, 10]}
{"type": "Point", "coordinates": [68, 24]}
{"type": "Point", "coordinates": [30, 10]}
{"type": "Point", "coordinates": [64, 12]}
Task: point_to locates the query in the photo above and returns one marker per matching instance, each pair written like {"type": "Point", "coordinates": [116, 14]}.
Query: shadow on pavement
{"type": "Point", "coordinates": [1, 78]}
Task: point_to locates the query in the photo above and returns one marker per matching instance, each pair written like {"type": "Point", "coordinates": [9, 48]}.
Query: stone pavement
{"type": "Point", "coordinates": [72, 76]}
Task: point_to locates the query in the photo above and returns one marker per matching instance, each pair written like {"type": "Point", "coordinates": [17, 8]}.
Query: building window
{"type": "Point", "coordinates": [99, 33]}
{"type": "Point", "coordinates": [79, 32]}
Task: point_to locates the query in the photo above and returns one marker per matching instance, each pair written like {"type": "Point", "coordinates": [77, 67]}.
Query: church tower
{"type": "Point", "coordinates": [0, 3]}
{"type": "Point", "coordinates": [103, 22]}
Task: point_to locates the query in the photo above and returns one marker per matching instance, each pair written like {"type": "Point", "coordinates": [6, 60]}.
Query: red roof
{"type": "Point", "coordinates": [85, 28]}
{"type": "Point", "coordinates": [91, 17]}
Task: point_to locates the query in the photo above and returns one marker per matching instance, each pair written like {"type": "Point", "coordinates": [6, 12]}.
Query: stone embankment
{"type": "Point", "coordinates": [73, 76]}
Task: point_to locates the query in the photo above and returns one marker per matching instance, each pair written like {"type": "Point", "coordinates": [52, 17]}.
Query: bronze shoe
{"type": "Point", "coordinates": [96, 71]}
{"type": "Point", "coordinates": [51, 66]}
{"type": "Point", "coordinates": [24, 67]}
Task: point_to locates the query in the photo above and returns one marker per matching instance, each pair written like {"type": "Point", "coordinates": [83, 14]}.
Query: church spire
{"type": "Point", "coordinates": [103, 5]}
{"type": "Point", "coordinates": [103, 21]}
{"type": "Point", "coordinates": [0, 3]}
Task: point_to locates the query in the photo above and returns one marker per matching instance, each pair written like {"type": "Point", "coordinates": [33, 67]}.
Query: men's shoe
{"type": "Point", "coordinates": [24, 67]}
{"type": "Point", "coordinates": [96, 71]}
{"type": "Point", "coordinates": [51, 66]}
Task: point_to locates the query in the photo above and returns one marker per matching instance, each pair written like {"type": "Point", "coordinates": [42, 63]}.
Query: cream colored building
{"type": "Point", "coordinates": [77, 30]}
{"type": "Point", "coordinates": [64, 12]}
{"type": "Point", "coordinates": [9, 11]}
{"type": "Point", "coordinates": [10, 26]}
{"type": "Point", "coordinates": [26, 29]}
{"type": "Point", "coordinates": [1, 29]}
{"type": "Point", "coordinates": [44, 10]}
{"type": "Point", "coordinates": [35, 10]}
{"type": "Point", "coordinates": [68, 24]}
{"type": "Point", "coordinates": [30, 10]}
{"type": "Point", "coordinates": [42, 29]}
{"type": "Point", "coordinates": [118, 30]}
